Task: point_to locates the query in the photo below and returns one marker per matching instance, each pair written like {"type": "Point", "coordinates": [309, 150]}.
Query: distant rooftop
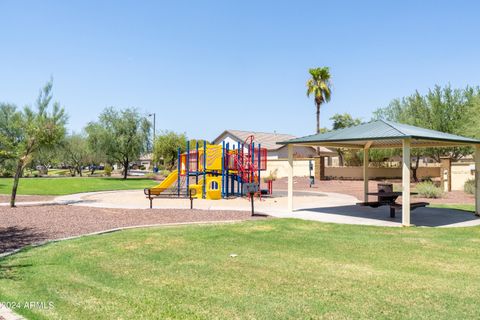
{"type": "Point", "coordinates": [267, 140]}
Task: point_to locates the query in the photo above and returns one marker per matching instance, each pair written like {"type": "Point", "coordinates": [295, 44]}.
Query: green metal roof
{"type": "Point", "coordinates": [382, 134]}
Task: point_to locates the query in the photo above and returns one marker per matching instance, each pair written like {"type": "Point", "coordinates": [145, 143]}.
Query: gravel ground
{"type": "Point", "coordinates": [22, 226]}
{"type": "Point", "coordinates": [355, 188]}
{"type": "Point", "coordinates": [6, 198]}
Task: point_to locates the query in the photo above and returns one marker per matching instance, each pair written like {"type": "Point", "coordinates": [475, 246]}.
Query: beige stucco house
{"type": "Point", "coordinates": [269, 141]}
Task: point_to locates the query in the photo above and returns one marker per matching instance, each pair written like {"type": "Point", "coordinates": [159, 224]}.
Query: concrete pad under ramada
{"type": "Point", "coordinates": [323, 207]}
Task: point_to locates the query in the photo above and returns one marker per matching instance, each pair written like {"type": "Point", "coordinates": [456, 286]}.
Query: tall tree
{"type": "Point", "coordinates": [320, 87]}
{"type": "Point", "coordinates": [34, 129]}
{"type": "Point", "coordinates": [45, 158]}
{"type": "Point", "coordinates": [122, 135]}
{"type": "Point", "coordinates": [471, 126]}
{"type": "Point", "coordinates": [96, 154]}
{"type": "Point", "coordinates": [10, 130]}
{"type": "Point", "coordinates": [442, 109]}
{"type": "Point", "coordinates": [341, 121]}
{"type": "Point", "coordinates": [167, 144]}
{"type": "Point", "coordinates": [75, 153]}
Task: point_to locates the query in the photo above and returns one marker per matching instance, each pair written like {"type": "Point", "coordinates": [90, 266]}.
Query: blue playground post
{"type": "Point", "coordinates": [241, 178]}
{"type": "Point", "coordinates": [232, 186]}
{"type": "Point", "coordinates": [227, 191]}
{"type": "Point", "coordinates": [178, 171]}
{"type": "Point", "coordinates": [238, 173]}
{"type": "Point", "coordinates": [223, 169]}
{"type": "Point", "coordinates": [197, 168]}
{"type": "Point", "coordinates": [232, 178]}
{"type": "Point", "coordinates": [188, 168]}
{"type": "Point", "coordinates": [204, 169]}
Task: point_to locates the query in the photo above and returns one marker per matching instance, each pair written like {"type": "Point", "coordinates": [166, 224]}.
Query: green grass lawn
{"type": "Point", "coordinates": [60, 172]}
{"type": "Point", "coordinates": [62, 186]}
{"type": "Point", "coordinates": [285, 269]}
{"type": "Point", "coordinates": [466, 207]}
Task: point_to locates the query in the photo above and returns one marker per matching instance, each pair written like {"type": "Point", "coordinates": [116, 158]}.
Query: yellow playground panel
{"type": "Point", "coordinates": [213, 158]}
{"type": "Point", "coordinates": [213, 188]}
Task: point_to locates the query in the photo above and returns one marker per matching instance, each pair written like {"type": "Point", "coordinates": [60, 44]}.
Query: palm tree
{"type": "Point", "coordinates": [319, 85]}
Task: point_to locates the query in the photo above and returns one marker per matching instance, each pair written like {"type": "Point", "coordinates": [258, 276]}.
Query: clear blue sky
{"type": "Point", "coordinates": [204, 66]}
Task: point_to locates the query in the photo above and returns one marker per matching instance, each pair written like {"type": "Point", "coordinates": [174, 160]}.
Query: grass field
{"type": "Point", "coordinates": [59, 173]}
{"type": "Point", "coordinates": [466, 207]}
{"type": "Point", "coordinates": [62, 186]}
{"type": "Point", "coordinates": [285, 269]}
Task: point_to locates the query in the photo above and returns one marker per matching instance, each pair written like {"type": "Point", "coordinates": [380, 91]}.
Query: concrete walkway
{"type": "Point", "coordinates": [8, 314]}
{"type": "Point", "coordinates": [29, 204]}
{"type": "Point", "coordinates": [323, 207]}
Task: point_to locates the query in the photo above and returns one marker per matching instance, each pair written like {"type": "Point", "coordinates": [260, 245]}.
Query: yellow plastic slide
{"type": "Point", "coordinates": [171, 179]}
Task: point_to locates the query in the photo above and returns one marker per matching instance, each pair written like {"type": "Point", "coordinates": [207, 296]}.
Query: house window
{"type": "Point", "coordinates": [214, 185]}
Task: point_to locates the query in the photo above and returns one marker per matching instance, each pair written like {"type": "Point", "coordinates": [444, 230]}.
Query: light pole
{"type": "Point", "coordinates": [153, 142]}
{"type": "Point", "coordinates": [154, 121]}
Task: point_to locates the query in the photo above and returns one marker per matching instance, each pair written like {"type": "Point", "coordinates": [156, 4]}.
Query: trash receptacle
{"type": "Point", "coordinates": [384, 187]}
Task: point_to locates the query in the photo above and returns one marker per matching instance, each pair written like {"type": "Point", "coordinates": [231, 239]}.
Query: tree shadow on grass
{"type": "Point", "coordinates": [13, 238]}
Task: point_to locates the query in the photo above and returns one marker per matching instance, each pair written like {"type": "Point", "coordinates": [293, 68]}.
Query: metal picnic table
{"type": "Point", "coordinates": [389, 198]}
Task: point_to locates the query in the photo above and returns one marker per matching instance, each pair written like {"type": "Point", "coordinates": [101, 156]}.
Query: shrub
{"type": "Point", "coordinates": [429, 190]}
{"type": "Point", "coordinates": [108, 170]}
{"type": "Point", "coordinates": [272, 176]}
{"type": "Point", "coordinates": [427, 179]}
{"type": "Point", "coordinates": [142, 167]}
{"type": "Point", "coordinates": [469, 186]}
{"type": "Point", "coordinates": [6, 174]}
{"type": "Point", "coordinates": [7, 169]}
{"type": "Point", "coordinates": [150, 175]}
{"type": "Point", "coordinates": [165, 172]}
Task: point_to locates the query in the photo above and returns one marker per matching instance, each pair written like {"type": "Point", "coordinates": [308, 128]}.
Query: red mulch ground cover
{"type": "Point", "coordinates": [22, 226]}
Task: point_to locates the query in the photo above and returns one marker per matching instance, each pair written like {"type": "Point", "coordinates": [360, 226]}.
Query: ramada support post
{"type": "Point", "coordinates": [366, 161]}
{"type": "Point", "coordinates": [477, 180]}
{"type": "Point", "coordinates": [290, 177]}
{"type": "Point", "coordinates": [406, 182]}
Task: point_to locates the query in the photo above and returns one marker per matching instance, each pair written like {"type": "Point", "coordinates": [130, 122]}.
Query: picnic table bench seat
{"type": "Point", "coordinates": [373, 204]}
{"type": "Point", "coordinates": [393, 206]}
{"type": "Point", "coordinates": [413, 206]}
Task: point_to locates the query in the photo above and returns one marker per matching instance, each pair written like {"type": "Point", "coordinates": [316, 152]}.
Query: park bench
{"type": "Point", "coordinates": [165, 194]}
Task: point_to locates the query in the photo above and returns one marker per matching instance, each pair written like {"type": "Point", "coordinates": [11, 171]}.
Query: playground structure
{"type": "Point", "coordinates": [214, 172]}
